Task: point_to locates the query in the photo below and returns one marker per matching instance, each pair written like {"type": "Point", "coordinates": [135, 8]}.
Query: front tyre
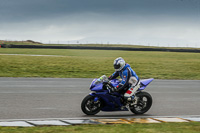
{"type": "Point", "coordinates": [89, 106]}
{"type": "Point", "coordinates": [144, 102]}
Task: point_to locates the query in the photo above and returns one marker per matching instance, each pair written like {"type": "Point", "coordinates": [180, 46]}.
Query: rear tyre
{"type": "Point", "coordinates": [89, 106]}
{"type": "Point", "coordinates": [144, 103]}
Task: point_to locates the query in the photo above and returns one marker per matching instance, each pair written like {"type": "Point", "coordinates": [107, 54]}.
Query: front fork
{"type": "Point", "coordinates": [95, 97]}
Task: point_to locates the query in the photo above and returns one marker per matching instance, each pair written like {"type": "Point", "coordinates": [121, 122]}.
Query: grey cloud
{"type": "Point", "coordinates": [22, 10]}
{"type": "Point", "coordinates": [134, 21]}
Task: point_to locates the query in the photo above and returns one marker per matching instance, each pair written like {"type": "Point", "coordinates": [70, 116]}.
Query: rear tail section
{"type": "Point", "coordinates": [144, 83]}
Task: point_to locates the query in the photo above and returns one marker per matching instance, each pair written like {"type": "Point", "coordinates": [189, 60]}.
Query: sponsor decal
{"type": "Point", "coordinates": [128, 92]}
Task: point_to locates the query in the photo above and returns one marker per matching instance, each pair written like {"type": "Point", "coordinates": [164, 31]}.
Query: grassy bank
{"type": "Point", "coordinates": [191, 127]}
{"type": "Point", "coordinates": [89, 45]}
{"type": "Point", "coordinates": [94, 63]}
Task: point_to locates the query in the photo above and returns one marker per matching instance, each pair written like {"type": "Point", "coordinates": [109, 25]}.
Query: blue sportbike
{"type": "Point", "coordinates": [102, 99]}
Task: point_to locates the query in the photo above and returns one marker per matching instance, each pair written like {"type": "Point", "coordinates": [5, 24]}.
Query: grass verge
{"type": "Point", "coordinates": [94, 63]}
{"type": "Point", "coordinates": [190, 127]}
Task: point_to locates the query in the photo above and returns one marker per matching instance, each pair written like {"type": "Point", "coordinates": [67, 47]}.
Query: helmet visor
{"type": "Point", "coordinates": [116, 66]}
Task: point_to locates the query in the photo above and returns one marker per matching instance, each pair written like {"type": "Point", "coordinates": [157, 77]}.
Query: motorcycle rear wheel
{"type": "Point", "coordinates": [89, 107]}
{"type": "Point", "coordinates": [143, 104]}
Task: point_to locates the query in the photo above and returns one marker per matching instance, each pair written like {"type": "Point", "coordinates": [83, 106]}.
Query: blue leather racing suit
{"type": "Point", "coordinates": [126, 73]}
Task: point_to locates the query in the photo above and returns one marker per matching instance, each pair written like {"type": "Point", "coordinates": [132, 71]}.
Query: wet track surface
{"type": "Point", "coordinates": [31, 98]}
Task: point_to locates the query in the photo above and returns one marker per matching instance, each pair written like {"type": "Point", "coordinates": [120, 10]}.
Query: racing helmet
{"type": "Point", "coordinates": [119, 64]}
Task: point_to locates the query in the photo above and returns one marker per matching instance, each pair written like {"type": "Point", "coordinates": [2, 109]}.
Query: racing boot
{"type": "Point", "coordinates": [130, 99]}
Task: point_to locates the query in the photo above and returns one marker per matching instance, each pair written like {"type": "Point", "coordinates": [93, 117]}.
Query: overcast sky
{"type": "Point", "coordinates": [140, 22]}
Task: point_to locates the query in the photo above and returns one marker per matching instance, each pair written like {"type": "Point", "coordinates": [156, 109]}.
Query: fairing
{"type": "Point", "coordinates": [144, 83]}
{"type": "Point", "coordinates": [99, 87]}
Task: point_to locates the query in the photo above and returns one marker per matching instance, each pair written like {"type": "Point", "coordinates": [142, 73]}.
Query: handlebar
{"type": "Point", "coordinates": [107, 85]}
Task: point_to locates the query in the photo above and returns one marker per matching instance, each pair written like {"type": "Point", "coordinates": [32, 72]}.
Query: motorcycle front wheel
{"type": "Point", "coordinates": [144, 102]}
{"type": "Point", "coordinates": [89, 106]}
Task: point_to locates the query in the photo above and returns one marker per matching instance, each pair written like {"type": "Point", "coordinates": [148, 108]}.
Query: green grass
{"type": "Point", "coordinates": [190, 127]}
{"type": "Point", "coordinates": [94, 63]}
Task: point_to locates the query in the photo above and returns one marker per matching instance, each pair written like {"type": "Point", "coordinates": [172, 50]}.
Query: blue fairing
{"type": "Point", "coordinates": [111, 102]}
{"type": "Point", "coordinates": [144, 83]}
{"type": "Point", "coordinates": [99, 87]}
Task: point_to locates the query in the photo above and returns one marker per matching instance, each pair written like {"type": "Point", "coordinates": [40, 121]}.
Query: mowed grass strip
{"type": "Point", "coordinates": [188, 127]}
{"type": "Point", "coordinates": [94, 63]}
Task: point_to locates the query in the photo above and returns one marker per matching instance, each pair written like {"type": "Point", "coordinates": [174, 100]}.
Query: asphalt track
{"type": "Point", "coordinates": [32, 98]}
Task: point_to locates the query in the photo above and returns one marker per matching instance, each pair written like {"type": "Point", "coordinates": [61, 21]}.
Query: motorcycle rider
{"type": "Point", "coordinates": [130, 81]}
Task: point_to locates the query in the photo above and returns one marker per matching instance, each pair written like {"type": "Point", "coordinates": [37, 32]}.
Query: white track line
{"type": "Point", "coordinates": [35, 55]}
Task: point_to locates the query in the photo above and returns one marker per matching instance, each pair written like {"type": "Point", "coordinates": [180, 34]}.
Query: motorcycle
{"type": "Point", "coordinates": [102, 99]}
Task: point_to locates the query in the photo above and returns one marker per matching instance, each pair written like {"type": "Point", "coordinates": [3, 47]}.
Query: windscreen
{"type": "Point", "coordinates": [101, 80]}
